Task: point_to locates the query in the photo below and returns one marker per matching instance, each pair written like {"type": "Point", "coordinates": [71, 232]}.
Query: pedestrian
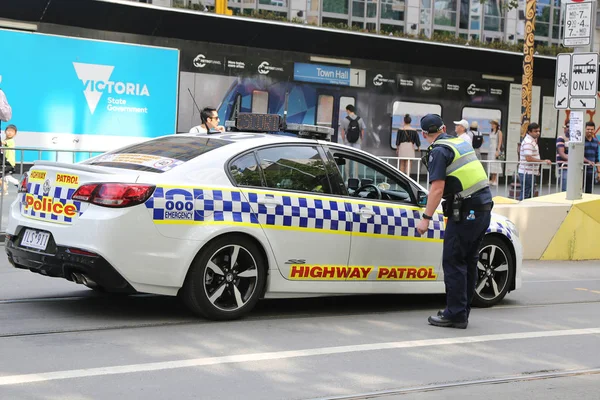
{"type": "Point", "coordinates": [591, 157]}
{"type": "Point", "coordinates": [495, 152]}
{"type": "Point", "coordinates": [477, 138]}
{"type": "Point", "coordinates": [407, 142]}
{"type": "Point", "coordinates": [562, 156]}
{"type": "Point", "coordinates": [529, 166]}
{"type": "Point", "coordinates": [5, 109]}
{"type": "Point", "coordinates": [9, 157]}
{"type": "Point", "coordinates": [209, 122]}
{"type": "Point", "coordinates": [353, 128]}
{"type": "Point", "coordinates": [457, 177]}
{"type": "Point", "coordinates": [462, 130]}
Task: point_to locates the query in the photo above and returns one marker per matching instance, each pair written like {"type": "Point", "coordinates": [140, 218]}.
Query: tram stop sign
{"type": "Point", "coordinates": [576, 81]}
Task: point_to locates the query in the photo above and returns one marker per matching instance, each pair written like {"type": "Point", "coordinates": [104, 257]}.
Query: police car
{"type": "Point", "coordinates": [225, 220]}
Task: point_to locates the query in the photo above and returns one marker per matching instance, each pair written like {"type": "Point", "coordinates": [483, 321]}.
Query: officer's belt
{"type": "Point", "coordinates": [478, 207]}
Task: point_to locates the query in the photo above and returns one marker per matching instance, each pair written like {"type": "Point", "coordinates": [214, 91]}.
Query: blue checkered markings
{"type": "Point", "coordinates": [292, 211]}
{"type": "Point", "coordinates": [57, 194]}
{"type": "Point", "coordinates": [498, 227]}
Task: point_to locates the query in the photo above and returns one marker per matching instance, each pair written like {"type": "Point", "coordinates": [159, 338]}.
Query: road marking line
{"type": "Point", "coordinates": [278, 355]}
{"type": "Point", "coordinates": [560, 280]}
{"type": "Point", "coordinates": [595, 291]}
{"type": "Point", "coordinates": [578, 288]}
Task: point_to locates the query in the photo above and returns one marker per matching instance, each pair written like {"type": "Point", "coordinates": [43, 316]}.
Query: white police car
{"type": "Point", "coordinates": [224, 220]}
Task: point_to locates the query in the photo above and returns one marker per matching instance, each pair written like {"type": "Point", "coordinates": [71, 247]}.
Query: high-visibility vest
{"type": "Point", "coordinates": [465, 166]}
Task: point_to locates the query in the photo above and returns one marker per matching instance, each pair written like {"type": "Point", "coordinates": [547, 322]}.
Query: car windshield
{"type": "Point", "coordinates": [158, 155]}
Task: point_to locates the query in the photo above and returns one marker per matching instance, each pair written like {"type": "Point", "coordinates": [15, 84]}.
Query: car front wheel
{"type": "Point", "coordinates": [495, 270]}
{"type": "Point", "coordinates": [226, 279]}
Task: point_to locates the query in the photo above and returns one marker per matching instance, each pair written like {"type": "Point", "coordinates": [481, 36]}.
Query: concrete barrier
{"type": "Point", "coordinates": [553, 228]}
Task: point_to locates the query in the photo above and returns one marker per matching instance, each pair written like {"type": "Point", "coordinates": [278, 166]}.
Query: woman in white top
{"type": "Point", "coordinates": [494, 152]}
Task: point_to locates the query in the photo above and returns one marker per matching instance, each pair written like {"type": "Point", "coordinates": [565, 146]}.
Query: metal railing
{"type": "Point", "coordinates": [548, 180]}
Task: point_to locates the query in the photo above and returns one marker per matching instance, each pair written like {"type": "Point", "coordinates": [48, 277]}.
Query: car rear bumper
{"type": "Point", "coordinates": [64, 262]}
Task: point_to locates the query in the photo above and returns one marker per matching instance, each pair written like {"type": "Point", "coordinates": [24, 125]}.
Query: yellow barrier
{"type": "Point", "coordinates": [553, 228]}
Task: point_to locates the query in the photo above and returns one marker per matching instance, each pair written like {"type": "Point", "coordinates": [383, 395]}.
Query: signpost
{"type": "Point", "coordinates": [577, 83]}
{"type": "Point", "coordinates": [563, 81]}
{"type": "Point", "coordinates": [578, 24]}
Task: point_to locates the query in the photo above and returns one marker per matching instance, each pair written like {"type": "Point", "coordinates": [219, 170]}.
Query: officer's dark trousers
{"type": "Point", "coordinates": [461, 253]}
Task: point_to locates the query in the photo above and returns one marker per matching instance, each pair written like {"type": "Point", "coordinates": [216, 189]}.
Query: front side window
{"type": "Point", "coordinates": [360, 176]}
{"type": "Point", "coordinates": [298, 168]}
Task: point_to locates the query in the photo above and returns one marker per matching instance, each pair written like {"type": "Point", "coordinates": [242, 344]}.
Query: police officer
{"type": "Point", "coordinates": [457, 176]}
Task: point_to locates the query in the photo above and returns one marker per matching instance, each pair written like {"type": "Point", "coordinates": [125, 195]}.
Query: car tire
{"type": "Point", "coordinates": [226, 279]}
{"type": "Point", "coordinates": [495, 271]}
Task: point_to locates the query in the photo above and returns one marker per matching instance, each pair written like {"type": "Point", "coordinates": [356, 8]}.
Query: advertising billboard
{"type": "Point", "coordinates": [71, 93]}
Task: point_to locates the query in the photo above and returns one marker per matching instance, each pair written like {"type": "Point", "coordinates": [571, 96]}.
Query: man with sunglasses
{"type": "Point", "coordinates": [457, 177]}
{"type": "Point", "coordinates": [210, 122]}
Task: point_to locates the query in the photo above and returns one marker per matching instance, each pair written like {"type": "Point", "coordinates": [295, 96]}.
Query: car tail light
{"type": "Point", "coordinates": [115, 195]}
{"type": "Point", "coordinates": [80, 252]}
{"type": "Point", "coordinates": [23, 184]}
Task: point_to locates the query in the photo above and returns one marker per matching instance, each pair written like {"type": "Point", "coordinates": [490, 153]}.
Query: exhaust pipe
{"type": "Point", "coordinates": [77, 278]}
{"type": "Point", "coordinates": [88, 282]}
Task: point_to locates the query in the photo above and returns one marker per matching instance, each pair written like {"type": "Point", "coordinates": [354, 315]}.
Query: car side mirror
{"type": "Point", "coordinates": [422, 199]}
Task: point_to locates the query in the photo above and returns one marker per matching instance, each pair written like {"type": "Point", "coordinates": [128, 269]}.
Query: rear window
{"type": "Point", "coordinates": [158, 155]}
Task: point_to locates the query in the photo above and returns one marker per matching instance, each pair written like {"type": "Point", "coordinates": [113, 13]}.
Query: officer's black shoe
{"type": "Point", "coordinates": [440, 313]}
{"type": "Point", "coordinates": [438, 320]}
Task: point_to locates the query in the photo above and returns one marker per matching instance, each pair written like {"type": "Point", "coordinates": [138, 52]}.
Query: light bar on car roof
{"type": "Point", "coordinates": [253, 122]}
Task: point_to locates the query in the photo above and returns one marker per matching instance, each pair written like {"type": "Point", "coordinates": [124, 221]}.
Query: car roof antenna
{"type": "Point", "coordinates": [285, 111]}
{"type": "Point", "coordinates": [196, 104]}
{"type": "Point", "coordinates": [237, 107]}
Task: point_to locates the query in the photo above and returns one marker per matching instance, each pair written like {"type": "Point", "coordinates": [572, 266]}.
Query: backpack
{"type": "Point", "coordinates": [477, 140]}
{"type": "Point", "coordinates": [353, 131]}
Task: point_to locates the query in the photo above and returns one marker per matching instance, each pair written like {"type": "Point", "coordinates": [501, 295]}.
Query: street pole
{"type": "Point", "coordinates": [575, 166]}
{"type": "Point", "coordinates": [527, 80]}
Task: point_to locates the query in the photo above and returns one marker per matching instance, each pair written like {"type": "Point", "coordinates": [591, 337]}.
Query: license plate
{"type": "Point", "coordinates": [35, 239]}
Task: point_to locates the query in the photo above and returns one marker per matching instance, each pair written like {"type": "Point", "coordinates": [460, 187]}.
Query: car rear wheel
{"type": "Point", "coordinates": [495, 270]}
{"type": "Point", "coordinates": [226, 279]}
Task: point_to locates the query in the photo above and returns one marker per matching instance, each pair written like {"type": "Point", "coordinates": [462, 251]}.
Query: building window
{"type": "Point", "coordinates": [425, 18]}
{"type": "Point", "coordinates": [445, 12]}
{"type": "Point", "coordinates": [392, 9]}
{"type": "Point", "coordinates": [542, 19]}
{"type": "Point", "coordinates": [336, 6]}
{"type": "Point", "coordinates": [358, 8]}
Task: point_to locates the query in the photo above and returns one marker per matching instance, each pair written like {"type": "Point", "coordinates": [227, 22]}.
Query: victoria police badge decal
{"type": "Point", "coordinates": [46, 188]}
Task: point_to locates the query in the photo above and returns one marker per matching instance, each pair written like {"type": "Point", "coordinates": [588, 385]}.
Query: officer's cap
{"type": "Point", "coordinates": [431, 123]}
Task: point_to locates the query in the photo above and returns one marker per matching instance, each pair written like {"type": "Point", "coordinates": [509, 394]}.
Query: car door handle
{"type": "Point", "coordinates": [269, 201]}
{"type": "Point", "coordinates": [366, 212]}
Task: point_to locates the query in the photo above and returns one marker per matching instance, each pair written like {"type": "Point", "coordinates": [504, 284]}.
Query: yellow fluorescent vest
{"type": "Point", "coordinates": [465, 166]}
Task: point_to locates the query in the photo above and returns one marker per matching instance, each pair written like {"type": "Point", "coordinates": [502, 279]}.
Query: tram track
{"type": "Point", "coordinates": [526, 377]}
{"type": "Point", "coordinates": [258, 315]}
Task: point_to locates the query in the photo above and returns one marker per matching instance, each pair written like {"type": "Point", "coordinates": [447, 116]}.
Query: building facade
{"type": "Point", "coordinates": [468, 19]}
